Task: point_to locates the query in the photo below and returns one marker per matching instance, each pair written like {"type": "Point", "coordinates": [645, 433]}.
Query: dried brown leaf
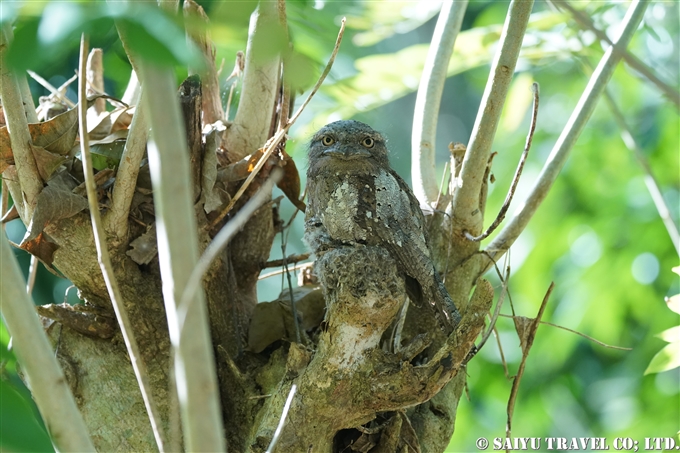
{"type": "Point", "coordinates": [55, 202]}
{"type": "Point", "coordinates": [112, 137]}
{"type": "Point", "coordinates": [58, 134]}
{"type": "Point", "coordinates": [121, 118]}
{"type": "Point", "coordinates": [290, 183]}
{"type": "Point", "coordinates": [144, 248]}
{"type": "Point", "coordinates": [40, 246]}
{"type": "Point", "coordinates": [266, 326]}
{"type": "Point", "coordinates": [46, 161]}
{"type": "Point", "coordinates": [523, 326]}
{"type": "Point", "coordinates": [273, 321]}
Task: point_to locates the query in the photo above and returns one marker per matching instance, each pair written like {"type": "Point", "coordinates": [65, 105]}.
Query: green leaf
{"type": "Point", "coordinates": [154, 35]}
{"type": "Point", "coordinates": [666, 359]}
{"type": "Point", "coordinates": [19, 428]}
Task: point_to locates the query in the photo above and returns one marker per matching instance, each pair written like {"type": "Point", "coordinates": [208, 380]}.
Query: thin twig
{"type": "Point", "coordinates": [605, 345]}
{"type": "Point", "coordinates": [569, 135]}
{"type": "Point", "coordinates": [497, 311]}
{"type": "Point", "coordinates": [51, 89]}
{"type": "Point", "coordinates": [289, 259]}
{"type": "Point", "coordinates": [501, 353]}
{"type": "Point", "coordinates": [295, 267]}
{"type": "Point", "coordinates": [4, 202]}
{"type": "Point", "coordinates": [325, 72]}
{"type": "Point", "coordinates": [426, 111]}
{"type": "Point", "coordinates": [296, 321]}
{"type": "Point", "coordinates": [104, 259]}
{"type": "Point", "coordinates": [650, 179]}
{"type": "Point", "coordinates": [634, 62]}
{"type": "Point", "coordinates": [273, 142]}
{"type": "Point", "coordinates": [518, 173]}
{"type": "Point", "coordinates": [467, 195]}
{"type": "Point", "coordinates": [282, 420]}
{"type": "Point", "coordinates": [529, 341]}
{"type": "Point", "coordinates": [32, 273]}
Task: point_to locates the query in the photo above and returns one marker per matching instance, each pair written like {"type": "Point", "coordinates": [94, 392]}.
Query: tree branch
{"type": "Point", "coordinates": [116, 219]}
{"type": "Point", "coordinates": [45, 378]}
{"type": "Point", "coordinates": [467, 196]}
{"type": "Point", "coordinates": [26, 96]}
{"type": "Point", "coordinates": [577, 121]}
{"type": "Point", "coordinates": [178, 253]}
{"type": "Point", "coordinates": [634, 62]}
{"type": "Point", "coordinates": [250, 128]}
{"type": "Point", "coordinates": [430, 90]}
{"type": "Point", "coordinates": [20, 138]}
{"type": "Point", "coordinates": [103, 254]}
{"type": "Point", "coordinates": [518, 172]}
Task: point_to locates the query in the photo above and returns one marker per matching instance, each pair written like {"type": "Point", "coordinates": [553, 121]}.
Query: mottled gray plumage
{"type": "Point", "coordinates": [354, 197]}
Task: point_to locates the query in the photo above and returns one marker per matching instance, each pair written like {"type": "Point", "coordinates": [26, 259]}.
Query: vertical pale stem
{"type": "Point", "coordinates": [45, 378]}
{"type": "Point", "coordinates": [177, 233]}
{"type": "Point", "coordinates": [428, 99]}
{"type": "Point", "coordinates": [466, 200]}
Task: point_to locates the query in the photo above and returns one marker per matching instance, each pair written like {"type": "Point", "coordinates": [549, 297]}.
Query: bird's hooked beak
{"type": "Point", "coordinates": [349, 153]}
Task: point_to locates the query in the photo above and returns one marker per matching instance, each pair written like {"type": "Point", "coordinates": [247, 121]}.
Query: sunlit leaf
{"type": "Point", "coordinates": [671, 335]}
{"type": "Point", "coordinates": [673, 303]}
{"type": "Point", "coordinates": [666, 359]}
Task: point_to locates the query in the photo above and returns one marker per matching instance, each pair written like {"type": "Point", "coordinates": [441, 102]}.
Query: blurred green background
{"type": "Point", "coordinates": [598, 235]}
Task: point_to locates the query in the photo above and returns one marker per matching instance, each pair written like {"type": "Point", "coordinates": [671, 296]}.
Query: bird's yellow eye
{"type": "Point", "coordinates": [368, 142]}
{"type": "Point", "coordinates": [327, 140]}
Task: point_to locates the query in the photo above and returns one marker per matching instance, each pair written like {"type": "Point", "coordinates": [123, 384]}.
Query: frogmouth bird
{"type": "Point", "coordinates": [354, 197]}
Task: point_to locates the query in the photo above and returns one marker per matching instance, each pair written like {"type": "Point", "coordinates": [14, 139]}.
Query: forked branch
{"type": "Point", "coordinates": [466, 199]}
{"type": "Point", "coordinates": [570, 134]}
{"type": "Point", "coordinates": [518, 173]}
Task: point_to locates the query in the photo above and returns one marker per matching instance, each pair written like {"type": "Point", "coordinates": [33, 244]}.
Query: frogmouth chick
{"type": "Point", "coordinates": [354, 197]}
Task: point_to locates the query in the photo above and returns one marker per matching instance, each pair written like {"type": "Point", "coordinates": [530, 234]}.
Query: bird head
{"type": "Point", "coordinates": [348, 141]}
